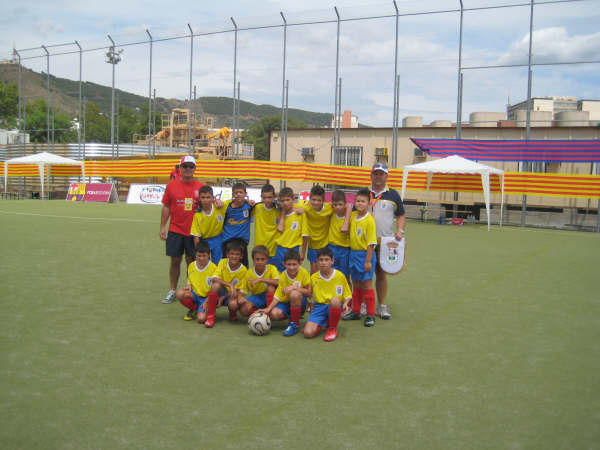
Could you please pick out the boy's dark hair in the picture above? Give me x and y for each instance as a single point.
(286, 192)
(325, 251)
(267, 188)
(317, 190)
(338, 196)
(234, 244)
(364, 192)
(260, 250)
(202, 247)
(238, 185)
(291, 254)
(206, 189)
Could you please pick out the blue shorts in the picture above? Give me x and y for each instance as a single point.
(320, 314)
(357, 265)
(285, 306)
(312, 254)
(280, 254)
(199, 301)
(341, 258)
(216, 252)
(258, 300)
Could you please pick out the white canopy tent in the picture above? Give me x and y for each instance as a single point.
(457, 164)
(42, 160)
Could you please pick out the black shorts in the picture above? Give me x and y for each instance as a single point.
(178, 243)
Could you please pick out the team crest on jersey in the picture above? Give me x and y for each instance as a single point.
(209, 281)
(219, 217)
(294, 226)
(339, 289)
(297, 283)
(234, 282)
(359, 231)
(246, 213)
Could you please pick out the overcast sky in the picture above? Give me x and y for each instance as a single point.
(428, 51)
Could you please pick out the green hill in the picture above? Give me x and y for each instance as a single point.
(65, 93)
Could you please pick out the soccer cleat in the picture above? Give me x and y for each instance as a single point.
(291, 330)
(383, 312)
(210, 321)
(170, 298)
(369, 321)
(330, 334)
(363, 309)
(190, 315)
(351, 316)
(233, 316)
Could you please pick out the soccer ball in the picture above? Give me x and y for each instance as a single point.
(259, 323)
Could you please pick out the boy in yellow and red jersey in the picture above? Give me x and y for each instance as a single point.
(329, 289)
(226, 284)
(293, 236)
(199, 283)
(208, 223)
(363, 239)
(339, 238)
(318, 215)
(292, 293)
(266, 217)
(259, 283)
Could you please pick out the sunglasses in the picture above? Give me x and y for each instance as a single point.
(187, 166)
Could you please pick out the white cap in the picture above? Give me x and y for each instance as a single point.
(187, 159)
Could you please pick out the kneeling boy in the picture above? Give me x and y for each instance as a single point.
(329, 288)
(199, 283)
(259, 283)
(292, 291)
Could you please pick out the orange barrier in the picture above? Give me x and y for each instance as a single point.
(542, 184)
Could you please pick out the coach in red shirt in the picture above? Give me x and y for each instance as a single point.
(179, 203)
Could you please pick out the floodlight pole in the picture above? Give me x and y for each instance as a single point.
(19, 105)
(111, 60)
(337, 67)
(190, 96)
(79, 101)
(526, 165)
(234, 137)
(150, 136)
(396, 105)
(283, 112)
(48, 97)
(460, 77)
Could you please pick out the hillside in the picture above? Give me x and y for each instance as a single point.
(66, 93)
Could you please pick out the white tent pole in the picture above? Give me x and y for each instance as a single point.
(502, 197)
(41, 170)
(83, 168)
(5, 176)
(429, 178)
(485, 181)
(404, 181)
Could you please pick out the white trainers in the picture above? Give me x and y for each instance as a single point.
(170, 298)
(383, 312)
(363, 309)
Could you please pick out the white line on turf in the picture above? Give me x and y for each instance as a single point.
(110, 219)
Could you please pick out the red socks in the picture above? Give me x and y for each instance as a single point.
(370, 301)
(295, 312)
(189, 303)
(269, 298)
(334, 316)
(357, 295)
(211, 308)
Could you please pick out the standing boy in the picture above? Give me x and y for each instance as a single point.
(292, 291)
(208, 223)
(291, 237)
(226, 284)
(363, 239)
(180, 200)
(259, 283)
(318, 214)
(339, 239)
(266, 217)
(237, 220)
(199, 283)
(329, 289)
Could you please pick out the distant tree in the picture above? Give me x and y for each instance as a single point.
(9, 99)
(97, 125)
(36, 124)
(258, 134)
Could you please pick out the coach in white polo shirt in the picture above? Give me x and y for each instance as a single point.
(388, 210)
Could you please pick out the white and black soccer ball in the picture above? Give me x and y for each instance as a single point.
(259, 323)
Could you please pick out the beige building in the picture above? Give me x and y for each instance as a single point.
(364, 146)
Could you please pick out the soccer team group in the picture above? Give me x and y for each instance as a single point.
(338, 238)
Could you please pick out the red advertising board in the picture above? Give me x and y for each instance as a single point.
(92, 192)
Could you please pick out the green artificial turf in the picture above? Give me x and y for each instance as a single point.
(494, 343)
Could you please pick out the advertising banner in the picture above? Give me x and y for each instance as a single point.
(92, 192)
(146, 194)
